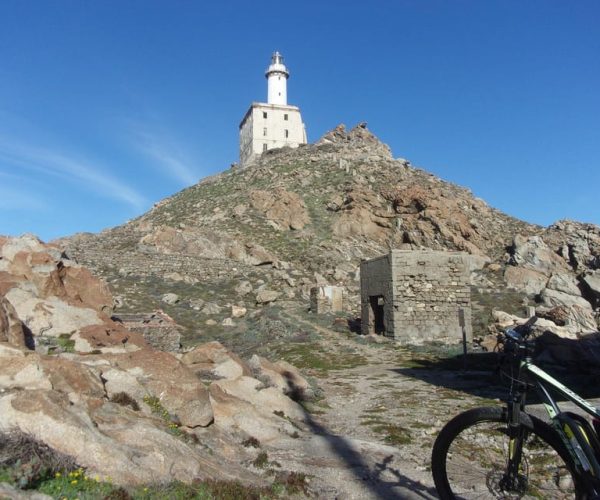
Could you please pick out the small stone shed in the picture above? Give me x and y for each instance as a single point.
(416, 296)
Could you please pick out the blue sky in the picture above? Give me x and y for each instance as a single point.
(107, 107)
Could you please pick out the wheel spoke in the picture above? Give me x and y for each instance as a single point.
(476, 456)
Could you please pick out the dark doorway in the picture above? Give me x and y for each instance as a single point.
(377, 303)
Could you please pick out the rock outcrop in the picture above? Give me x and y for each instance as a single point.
(307, 216)
(95, 391)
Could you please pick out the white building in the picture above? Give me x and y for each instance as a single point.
(273, 124)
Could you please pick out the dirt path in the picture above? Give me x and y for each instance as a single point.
(373, 437)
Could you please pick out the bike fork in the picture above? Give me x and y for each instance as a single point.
(512, 480)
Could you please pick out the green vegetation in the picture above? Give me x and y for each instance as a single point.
(394, 434)
(261, 461)
(158, 409)
(29, 464)
(77, 485)
(62, 343)
(312, 356)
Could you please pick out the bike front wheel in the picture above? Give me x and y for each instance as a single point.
(470, 457)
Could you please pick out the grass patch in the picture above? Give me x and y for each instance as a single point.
(62, 343)
(158, 409)
(261, 461)
(394, 434)
(311, 356)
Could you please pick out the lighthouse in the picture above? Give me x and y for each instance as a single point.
(277, 75)
(274, 124)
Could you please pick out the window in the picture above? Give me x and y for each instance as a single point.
(264, 114)
(285, 117)
(264, 146)
(265, 131)
(287, 133)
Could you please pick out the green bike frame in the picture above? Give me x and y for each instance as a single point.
(577, 435)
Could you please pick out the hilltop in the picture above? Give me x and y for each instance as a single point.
(307, 216)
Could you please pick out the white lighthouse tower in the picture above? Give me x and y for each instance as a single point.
(277, 75)
(273, 124)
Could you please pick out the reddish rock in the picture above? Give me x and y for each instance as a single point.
(107, 336)
(11, 328)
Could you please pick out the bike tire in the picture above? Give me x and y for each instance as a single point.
(471, 452)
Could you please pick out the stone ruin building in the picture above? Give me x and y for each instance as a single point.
(326, 299)
(158, 328)
(417, 296)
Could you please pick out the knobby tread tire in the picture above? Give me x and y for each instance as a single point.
(491, 414)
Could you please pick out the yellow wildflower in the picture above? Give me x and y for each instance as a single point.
(58, 474)
(74, 482)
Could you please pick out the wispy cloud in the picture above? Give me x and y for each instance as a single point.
(12, 198)
(91, 176)
(169, 156)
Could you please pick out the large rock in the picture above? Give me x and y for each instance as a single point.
(51, 295)
(105, 438)
(592, 283)
(565, 283)
(243, 405)
(52, 316)
(553, 298)
(286, 209)
(62, 403)
(533, 253)
(162, 375)
(53, 275)
(11, 328)
(578, 243)
(213, 360)
(527, 280)
(109, 337)
(282, 375)
(266, 296)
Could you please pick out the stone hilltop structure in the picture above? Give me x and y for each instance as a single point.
(273, 124)
(417, 296)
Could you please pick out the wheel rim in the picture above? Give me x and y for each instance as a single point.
(476, 463)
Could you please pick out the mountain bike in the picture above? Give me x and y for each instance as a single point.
(505, 452)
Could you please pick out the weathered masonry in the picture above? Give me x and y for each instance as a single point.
(273, 124)
(416, 296)
(326, 299)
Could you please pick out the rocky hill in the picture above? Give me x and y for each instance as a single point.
(88, 385)
(309, 215)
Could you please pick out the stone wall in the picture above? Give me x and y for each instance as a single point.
(326, 299)
(376, 285)
(428, 289)
(158, 329)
